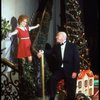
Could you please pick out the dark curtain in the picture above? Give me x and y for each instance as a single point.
(90, 10)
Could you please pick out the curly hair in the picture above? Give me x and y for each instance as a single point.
(21, 18)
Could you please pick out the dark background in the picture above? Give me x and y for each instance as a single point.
(91, 22)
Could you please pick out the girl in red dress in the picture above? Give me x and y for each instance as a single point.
(24, 44)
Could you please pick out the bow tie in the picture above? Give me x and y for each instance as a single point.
(62, 43)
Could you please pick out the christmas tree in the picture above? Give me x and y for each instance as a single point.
(75, 31)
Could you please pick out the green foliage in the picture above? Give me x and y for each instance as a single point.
(28, 81)
(5, 28)
(29, 73)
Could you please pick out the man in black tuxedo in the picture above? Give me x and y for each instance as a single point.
(65, 60)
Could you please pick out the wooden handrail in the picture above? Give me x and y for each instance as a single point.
(9, 63)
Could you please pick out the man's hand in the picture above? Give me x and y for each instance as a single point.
(74, 75)
(40, 53)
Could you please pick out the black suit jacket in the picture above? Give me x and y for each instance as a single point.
(71, 59)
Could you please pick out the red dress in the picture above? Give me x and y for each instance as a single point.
(24, 45)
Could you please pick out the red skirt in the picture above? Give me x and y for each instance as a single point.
(24, 48)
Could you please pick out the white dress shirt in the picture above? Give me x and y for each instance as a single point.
(62, 50)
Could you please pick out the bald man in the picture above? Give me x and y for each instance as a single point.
(66, 63)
